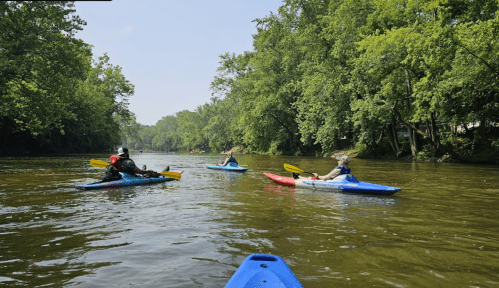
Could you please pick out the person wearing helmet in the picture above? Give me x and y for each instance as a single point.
(228, 160)
(123, 163)
(341, 169)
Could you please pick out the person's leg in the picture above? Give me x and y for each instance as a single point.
(111, 174)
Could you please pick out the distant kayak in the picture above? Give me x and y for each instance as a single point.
(229, 167)
(127, 180)
(261, 270)
(344, 183)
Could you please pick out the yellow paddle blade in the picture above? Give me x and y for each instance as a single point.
(99, 163)
(173, 175)
(293, 169)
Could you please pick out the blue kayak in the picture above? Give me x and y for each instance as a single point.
(344, 183)
(127, 180)
(262, 270)
(229, 167)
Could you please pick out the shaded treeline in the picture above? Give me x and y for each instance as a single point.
(323, 75)
(328, 74)
(53, 96)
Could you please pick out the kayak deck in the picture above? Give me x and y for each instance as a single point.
(127, 180)
(263, 270)
(344, 183)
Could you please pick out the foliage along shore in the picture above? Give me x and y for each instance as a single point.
(482, 157)
(485, 157)
(410, 79)
(54, 97)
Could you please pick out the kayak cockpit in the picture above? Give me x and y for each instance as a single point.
(343, 178)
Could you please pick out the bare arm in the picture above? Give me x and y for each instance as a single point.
(331, 175)
(225, 162)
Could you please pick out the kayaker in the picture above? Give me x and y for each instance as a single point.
(123, 163)
(341, 169)
(229, 159)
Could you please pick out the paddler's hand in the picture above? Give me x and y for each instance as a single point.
(316, 176)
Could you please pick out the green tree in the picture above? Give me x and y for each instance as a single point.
(41, 63)
(167, 136)
(268, 90)
(328, 32)
(100, 104)
(469, 88)
(190, 127)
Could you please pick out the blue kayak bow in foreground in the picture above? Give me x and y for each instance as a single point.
(262, 270)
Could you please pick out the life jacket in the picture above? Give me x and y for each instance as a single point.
(115, 161)
(231, 159)
(344, 170)
(123, 164)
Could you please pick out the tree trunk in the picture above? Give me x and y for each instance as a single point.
(391, 131)
(413, 138)
(433, 133)
(394, 131)
(390, 137)
(290, 133)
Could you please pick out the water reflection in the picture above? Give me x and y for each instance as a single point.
(118, 195)
(279, 196)
(227, 175)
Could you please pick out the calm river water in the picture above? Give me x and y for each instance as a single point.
(441, 230)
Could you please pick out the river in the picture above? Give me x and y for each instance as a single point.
(439, 231)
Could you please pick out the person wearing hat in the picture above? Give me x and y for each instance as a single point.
(123, 163)
(229, 159)
(341, 169)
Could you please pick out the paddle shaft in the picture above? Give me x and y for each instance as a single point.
(307, 172)
(293, 169)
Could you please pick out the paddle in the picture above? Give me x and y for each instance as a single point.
(104, 164)
(173, 175)
(99, 163)
(293, 169)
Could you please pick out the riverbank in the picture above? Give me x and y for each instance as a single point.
(384, 152)
(485, 156)
(482, 157)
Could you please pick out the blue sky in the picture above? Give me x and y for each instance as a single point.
(170, 49)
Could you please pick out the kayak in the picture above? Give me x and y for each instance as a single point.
(229, 167)
(343, 183)
(262, 270)
(127, 180)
